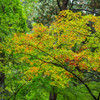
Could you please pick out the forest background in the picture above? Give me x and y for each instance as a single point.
(49, 50)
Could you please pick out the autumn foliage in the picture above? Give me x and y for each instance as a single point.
(70, 44)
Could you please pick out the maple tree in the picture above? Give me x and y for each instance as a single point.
(60, 52)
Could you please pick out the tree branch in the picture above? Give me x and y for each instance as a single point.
(15, 92)
(76, 10)
(43, 52)
(83, 84)
(98, 96)
(62, 66)
(59, 5)
(71, 5)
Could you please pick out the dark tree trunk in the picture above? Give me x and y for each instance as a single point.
(53, 95)
(65, 4)
(2, 85)
(2, 74)
(2, 78)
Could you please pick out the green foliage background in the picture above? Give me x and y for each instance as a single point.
(14, 17)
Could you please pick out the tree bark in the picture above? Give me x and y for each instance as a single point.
(65, 4)
(53, 95)
(2, 78)
(2, 85)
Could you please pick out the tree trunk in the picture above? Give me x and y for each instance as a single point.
(2, 78)
(53, 95)
(65, 4)
(2, 85)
